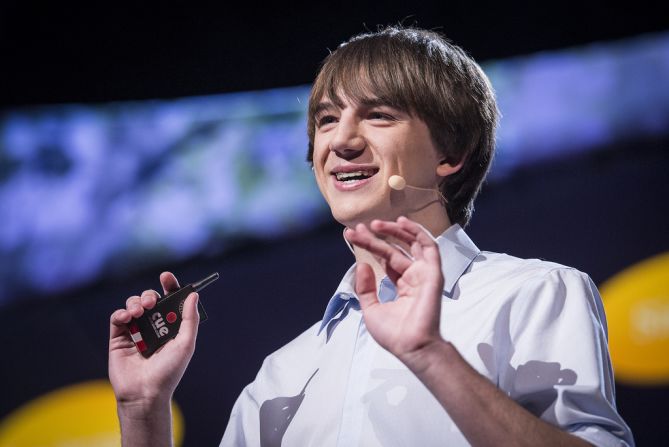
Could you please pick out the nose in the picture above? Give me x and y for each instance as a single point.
(347, 141)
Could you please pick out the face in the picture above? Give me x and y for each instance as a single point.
(358, 147)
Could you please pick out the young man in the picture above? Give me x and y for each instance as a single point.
(427, 340)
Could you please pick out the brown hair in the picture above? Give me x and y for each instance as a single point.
(422, 73)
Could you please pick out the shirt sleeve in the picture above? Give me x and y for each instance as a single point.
(243, 427)
(557, 365)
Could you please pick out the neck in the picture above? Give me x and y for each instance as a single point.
(434, 219)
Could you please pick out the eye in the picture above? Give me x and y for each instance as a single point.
(325, 120)
(378, 115)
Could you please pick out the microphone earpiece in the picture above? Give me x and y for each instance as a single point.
(397, 182)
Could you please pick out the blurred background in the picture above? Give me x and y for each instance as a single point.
(138, 138)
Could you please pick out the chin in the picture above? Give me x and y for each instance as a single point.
(351, 217)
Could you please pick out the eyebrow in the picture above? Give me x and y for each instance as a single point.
(375, 102)
(323, 106)
(364, 102)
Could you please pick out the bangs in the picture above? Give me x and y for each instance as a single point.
(365, 73)
(356, 83)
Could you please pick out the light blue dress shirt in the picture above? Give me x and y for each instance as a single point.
(536, 329)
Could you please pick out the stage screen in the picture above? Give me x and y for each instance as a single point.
(92, 190)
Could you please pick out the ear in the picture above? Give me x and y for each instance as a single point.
(445, 168)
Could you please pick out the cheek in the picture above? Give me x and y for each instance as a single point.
(321, 180)
(399, 158)
(320, 151)
(320, 176)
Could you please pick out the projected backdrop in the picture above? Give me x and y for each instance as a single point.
(87, 189)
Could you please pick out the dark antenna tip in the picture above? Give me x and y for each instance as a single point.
(201, 284)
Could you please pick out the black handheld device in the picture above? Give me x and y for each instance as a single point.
(161, 324)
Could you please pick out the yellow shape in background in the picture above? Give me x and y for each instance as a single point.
(80, 415)
(637, 309)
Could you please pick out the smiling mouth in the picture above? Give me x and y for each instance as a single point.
(355, 176)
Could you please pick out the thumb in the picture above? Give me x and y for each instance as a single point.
(364, 286)
(190, 319)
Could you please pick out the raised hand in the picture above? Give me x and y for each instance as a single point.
(139, 381)
(410, 323)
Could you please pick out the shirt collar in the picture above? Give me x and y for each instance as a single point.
(457, 253)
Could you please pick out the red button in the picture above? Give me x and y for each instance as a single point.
(171, 317)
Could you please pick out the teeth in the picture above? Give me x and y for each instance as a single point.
(343, 176)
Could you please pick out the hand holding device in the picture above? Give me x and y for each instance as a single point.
(161, 324)
(140, 382)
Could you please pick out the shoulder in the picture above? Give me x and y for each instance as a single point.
(529, 283)
(544, 291)
(296, 354)
(510, 272)
(488, 261)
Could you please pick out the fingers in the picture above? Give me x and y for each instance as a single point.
(392, 229)
(120, 317)
(418, 238)
(190, 320)
(404, 230)
(149, 298)
(134, 308)
(169, 282)
(364, 286)
(118, 321)
(395, 258)
(135, 305)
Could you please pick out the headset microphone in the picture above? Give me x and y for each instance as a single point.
(398, 183)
